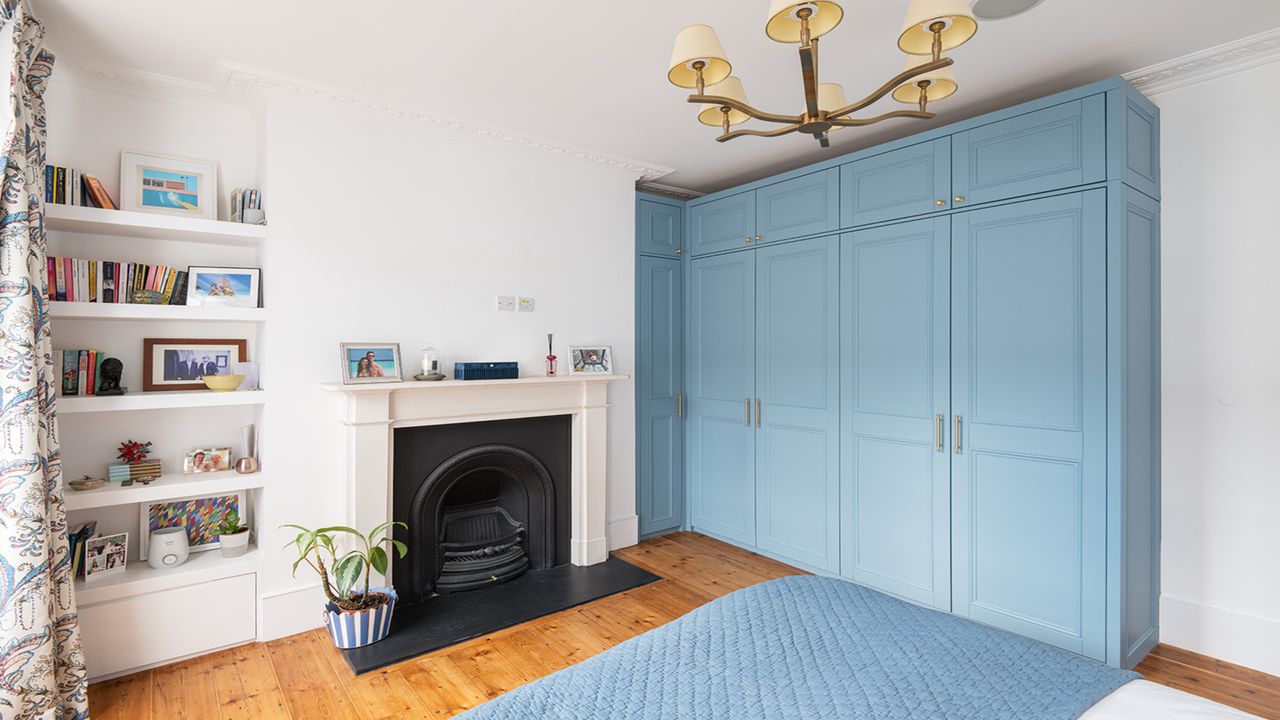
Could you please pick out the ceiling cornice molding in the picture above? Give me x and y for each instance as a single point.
(142, 84)
(240, 81)
(1208, 64)
(671, 191)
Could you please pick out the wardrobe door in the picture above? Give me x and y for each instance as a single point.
(659, 228)
(797, 417)
(728, 223)
(721, 467)
(914, 180)
(1029, 400)
(807, 205)
(659, 384)
(895, 316)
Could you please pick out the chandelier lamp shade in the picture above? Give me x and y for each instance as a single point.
(932, 27)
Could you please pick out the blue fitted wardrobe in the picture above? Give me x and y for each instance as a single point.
(930, 367)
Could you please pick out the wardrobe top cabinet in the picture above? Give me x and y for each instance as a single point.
(659, 226)
(1102, 132)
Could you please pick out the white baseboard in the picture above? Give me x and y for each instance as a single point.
(1224, 634)
(289, 612)
(623, 532)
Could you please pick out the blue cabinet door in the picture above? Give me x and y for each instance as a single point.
(807, 205)
(1057, 147)
(659, 228)
(797, 416)
(725, 224)
(721, 457)
(1029, 394)
(896, 466)
(913, 180)
(659, 403)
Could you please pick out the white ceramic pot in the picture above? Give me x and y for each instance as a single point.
(234, 545)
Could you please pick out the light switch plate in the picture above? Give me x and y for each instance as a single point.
(506, 303)
(525, 305)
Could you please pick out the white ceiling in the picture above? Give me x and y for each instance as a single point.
(593, 74)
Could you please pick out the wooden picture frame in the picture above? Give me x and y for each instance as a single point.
(151, 347)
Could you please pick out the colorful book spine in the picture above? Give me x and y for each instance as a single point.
(70, 371)
(91, 372)
(82, 380)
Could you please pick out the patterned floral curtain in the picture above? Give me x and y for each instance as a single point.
(42, 672)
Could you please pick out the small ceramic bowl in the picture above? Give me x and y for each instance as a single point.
(222, 383)
(87, 483)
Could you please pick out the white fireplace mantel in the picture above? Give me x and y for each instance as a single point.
(373, 411)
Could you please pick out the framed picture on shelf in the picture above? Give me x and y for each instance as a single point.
(105, 555)
(168, 185)
(225, 286)
(199, 515)
(370, 363)
(207, 460)
(179, 363)
(590, 360)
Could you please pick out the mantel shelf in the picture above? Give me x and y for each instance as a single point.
(414, 385)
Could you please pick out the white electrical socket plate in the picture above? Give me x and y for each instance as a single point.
(526, 304)
(506, 303)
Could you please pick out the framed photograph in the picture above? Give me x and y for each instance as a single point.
(179, 363)
(370, 363)
(226, 286)
(590, 360)
(105, 555)
(168, 185)
(199, 515)
(207, 460)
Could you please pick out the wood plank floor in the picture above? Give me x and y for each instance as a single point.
(303, 676)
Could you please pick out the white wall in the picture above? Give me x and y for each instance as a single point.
(382, 229)
(1220, 581)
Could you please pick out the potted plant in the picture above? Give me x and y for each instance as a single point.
(353, 617)
(233, 538)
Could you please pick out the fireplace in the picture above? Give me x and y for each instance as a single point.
(485, 502)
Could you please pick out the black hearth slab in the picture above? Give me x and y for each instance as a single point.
(448, 619)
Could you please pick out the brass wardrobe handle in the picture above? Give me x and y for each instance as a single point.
(956, 435)
(757, 412)
(937, 431)
(679, 405)
(746, 417)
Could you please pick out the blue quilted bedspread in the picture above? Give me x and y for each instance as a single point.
(812, 647)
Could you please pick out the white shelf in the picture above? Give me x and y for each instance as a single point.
(140, 578)
(129, 311)
(167, 400)
(97, 221)
(168, 486)
(386, 387)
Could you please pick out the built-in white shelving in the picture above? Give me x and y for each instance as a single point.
(167, 400)
(139, 577)
(170, 485)
(98, 221)
(130, 311)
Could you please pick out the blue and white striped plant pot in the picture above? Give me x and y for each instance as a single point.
(355, 629)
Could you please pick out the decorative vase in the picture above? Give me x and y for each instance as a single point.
(362, 627)
(235, 544)
(551, 365)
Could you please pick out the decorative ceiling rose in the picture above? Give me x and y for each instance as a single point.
(932, 26)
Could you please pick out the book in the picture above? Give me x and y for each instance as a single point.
(92, 373)
(82, 379)
(97, 194)
(70, 371)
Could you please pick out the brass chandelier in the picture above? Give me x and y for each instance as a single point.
(931, 28)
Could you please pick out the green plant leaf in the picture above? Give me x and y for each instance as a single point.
(347, 572)
(378, 559)
(400, 547)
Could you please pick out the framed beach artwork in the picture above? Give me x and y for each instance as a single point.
(370, 363)
(199, 515)
(225, 286)
(168, 185)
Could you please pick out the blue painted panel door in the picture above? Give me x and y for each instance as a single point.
(725, 224)
(659, 384)
(659, 229)
(910, 181)
(895, 317)
(807, 205)
(721, 458)
(1057, 147)
(797, 384)
(1029, 393)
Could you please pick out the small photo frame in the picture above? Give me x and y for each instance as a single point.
(201, 516)
(105, 555)
(224, 286)
(168, 185)
(207, 460)
(179, 363)
(590, 360)
(370, 363)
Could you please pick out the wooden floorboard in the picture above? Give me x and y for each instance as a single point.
(302, 677)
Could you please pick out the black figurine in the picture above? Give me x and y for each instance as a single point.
(110, 373)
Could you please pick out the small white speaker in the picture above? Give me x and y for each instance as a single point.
(168, 548)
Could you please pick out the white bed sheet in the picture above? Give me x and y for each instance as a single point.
(1145, 700)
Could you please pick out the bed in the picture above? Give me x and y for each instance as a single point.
(813, 647)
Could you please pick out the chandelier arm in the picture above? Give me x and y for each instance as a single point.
(759, 133)
(859, 122)
(888, 87)
(809, 73)
(745, 108)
